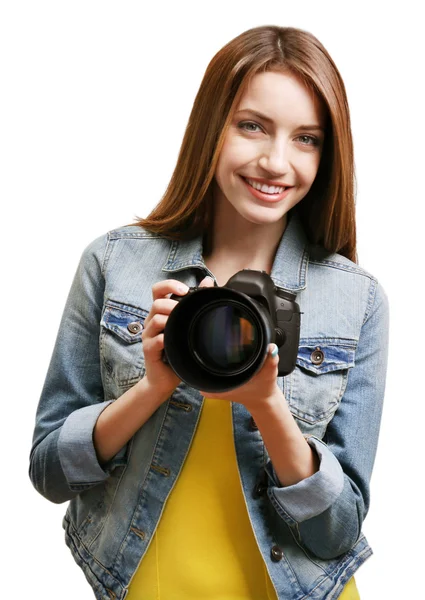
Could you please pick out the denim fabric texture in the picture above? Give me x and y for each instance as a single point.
(309, 534)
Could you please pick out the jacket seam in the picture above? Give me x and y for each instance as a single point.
(74, 536)
(304, 548)
(106, 254)
(303, 264)
(371, 299)
(350, 559)
(102, 268)
(342, 267)
(93, 539)
(117, 235)
(142, 487)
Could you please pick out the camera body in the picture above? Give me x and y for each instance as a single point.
(216, 338)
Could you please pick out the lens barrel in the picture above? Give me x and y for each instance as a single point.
(216, 338)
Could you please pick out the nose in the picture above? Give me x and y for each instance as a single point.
(275, 158)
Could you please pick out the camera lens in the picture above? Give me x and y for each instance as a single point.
(225, 337)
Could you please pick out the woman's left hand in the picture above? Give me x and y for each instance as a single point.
(260, 390)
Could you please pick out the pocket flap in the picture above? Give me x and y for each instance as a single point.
(323, 356)
(125, 321)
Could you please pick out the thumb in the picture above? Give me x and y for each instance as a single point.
(273, 350)
(207, 282)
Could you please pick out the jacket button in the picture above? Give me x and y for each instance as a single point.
(135, 327)
(259, 490)
(276, 554)
(252, 424)
(317, 356)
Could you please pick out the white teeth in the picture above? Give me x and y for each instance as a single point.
(268, 189)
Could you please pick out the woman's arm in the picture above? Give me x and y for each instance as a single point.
(63, 458)
(328, 508)
(118, 423)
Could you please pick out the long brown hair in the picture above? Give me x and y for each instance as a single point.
(327, 212)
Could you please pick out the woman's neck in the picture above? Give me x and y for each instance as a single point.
(240, 244)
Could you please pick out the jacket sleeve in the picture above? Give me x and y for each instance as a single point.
(63, 460)
(327, 510)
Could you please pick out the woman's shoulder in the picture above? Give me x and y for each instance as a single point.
(343, 273)
(100, 242)
(321, 257)
(120, 246)
(130, 231)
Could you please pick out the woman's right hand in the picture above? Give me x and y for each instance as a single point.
(157, 373)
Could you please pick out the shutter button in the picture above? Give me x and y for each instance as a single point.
(276, 554)
(317, 356)
(135, 327)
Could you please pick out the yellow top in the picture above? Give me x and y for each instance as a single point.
(204, 545)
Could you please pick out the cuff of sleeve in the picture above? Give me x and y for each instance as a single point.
(77, 453)
(311, 496)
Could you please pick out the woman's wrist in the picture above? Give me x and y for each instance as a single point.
(124, 417)
(154, 390)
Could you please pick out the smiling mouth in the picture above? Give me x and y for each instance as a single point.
(250, 183)
(266, 196)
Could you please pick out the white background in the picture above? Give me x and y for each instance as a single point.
(94, 102)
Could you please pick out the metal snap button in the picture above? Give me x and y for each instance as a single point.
(276, 554)
(259, 490)
(135, 327)
(252, 424)
(260, 487)
(317, 356)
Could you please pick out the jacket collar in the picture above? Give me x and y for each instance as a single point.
(289, 269)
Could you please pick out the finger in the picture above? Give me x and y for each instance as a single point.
(207, 282)
(154, 346)
(154, 325)
(168, 286)
(160, 305)
(273, 351)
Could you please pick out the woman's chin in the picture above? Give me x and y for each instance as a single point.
(263, 216)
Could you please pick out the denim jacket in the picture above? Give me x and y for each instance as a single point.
(310, 533)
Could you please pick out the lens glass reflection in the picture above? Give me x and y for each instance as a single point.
(225, 337)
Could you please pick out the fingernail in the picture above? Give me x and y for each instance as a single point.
(275, 350)
(183, 289)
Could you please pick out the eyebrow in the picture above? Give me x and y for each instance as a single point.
(265, 118)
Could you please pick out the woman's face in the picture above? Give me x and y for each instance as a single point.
(279, 149)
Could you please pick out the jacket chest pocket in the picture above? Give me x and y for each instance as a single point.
(121, 345)
(315, 388)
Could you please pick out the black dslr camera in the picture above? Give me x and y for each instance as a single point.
(216, 338)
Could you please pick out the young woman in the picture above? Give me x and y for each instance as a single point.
(261, 491)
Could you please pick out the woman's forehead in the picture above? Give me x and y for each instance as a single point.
(277, 95)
